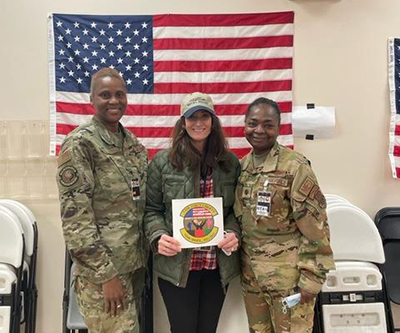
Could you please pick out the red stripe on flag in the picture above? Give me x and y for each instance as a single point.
(165, 132)
(180, 20)
(75, 108)
(222, 43)
(163, 109)
(153, 110)
(397, 172)
(396, 151)
(65, 128)
(222, 65)
(397, 130)
(240, 152)
(222, 87)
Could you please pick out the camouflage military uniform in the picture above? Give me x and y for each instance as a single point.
(101, 178)
(289, 248)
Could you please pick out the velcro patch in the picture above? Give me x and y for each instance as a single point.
(306, 186)
(278, 181)
(64, 157)
(314, 191)
(68, 176)
(320, 199)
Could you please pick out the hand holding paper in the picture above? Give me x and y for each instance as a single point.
(168, 246)
(229, 244)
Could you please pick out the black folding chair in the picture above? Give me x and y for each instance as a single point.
(387, 221)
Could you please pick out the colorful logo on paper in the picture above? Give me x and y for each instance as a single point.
(198, 223)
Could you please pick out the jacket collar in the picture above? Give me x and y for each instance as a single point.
(270, 163)
(105, 134)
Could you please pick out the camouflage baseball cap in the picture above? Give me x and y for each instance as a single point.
(195, 102)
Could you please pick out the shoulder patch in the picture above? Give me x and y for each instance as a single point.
(64, 157)
(306, 186)
(320, 199)
(314, 191)
(68, 175)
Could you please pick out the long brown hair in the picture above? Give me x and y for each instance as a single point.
(184, 154)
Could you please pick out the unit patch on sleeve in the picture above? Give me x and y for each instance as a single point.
(68, 175)
(306, 186)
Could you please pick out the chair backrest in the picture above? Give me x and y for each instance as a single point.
(11, 238)
(27, 222)
(388, 222)
(354, 235)
(334, 198)
(7, 278)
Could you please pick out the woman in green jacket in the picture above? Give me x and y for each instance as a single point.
(193, 282)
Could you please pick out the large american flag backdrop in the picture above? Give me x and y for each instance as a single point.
(235, 58)
(394, 88)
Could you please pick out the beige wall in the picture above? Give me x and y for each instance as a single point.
(340, 60)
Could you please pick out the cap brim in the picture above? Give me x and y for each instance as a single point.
(190, 112)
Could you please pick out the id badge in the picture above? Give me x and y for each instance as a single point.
(135, 187)
(263, 203)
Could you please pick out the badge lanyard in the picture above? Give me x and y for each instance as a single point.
(264, 201)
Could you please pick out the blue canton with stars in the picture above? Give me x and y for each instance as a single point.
(86, 43)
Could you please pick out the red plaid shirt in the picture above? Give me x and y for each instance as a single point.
(204, 259)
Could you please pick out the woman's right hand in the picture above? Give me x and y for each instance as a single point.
(168, 246)
(114, 296)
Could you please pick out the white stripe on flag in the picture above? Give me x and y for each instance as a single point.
(216, 55)
(176, 99)
(151, 121)
(224, 32)
(245, 76)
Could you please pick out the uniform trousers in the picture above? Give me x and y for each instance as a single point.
(91, 305)
(265, 311)
(197, 307)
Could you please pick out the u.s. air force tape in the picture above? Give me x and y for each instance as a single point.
(68, 175)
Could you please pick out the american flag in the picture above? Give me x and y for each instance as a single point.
(394, 88)
(235, 58)
(199, 212)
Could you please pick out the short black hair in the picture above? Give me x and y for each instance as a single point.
(265, 101)
(103, 72)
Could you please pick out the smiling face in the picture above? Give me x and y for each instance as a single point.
(198, 127)
(109, 101)
(261, 128)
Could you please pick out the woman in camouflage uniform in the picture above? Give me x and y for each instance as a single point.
(101, 178)
(285, 246)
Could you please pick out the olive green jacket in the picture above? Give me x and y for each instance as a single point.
(166, 183)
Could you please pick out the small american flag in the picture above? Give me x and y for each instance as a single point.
(235, 58)
(199, 212)
(394, 87)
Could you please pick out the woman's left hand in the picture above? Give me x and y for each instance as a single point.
(306, 296)
(230, 242)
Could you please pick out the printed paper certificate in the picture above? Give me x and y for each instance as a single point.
(198, 222)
